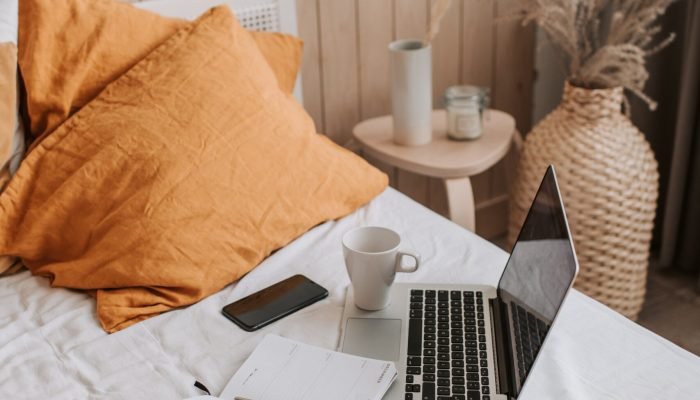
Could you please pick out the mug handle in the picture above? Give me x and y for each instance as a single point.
(399, 258)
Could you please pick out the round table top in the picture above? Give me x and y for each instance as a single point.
(441, 158)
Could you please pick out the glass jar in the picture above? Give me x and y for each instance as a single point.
(465, 106)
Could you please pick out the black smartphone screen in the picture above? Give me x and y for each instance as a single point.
(274, 302)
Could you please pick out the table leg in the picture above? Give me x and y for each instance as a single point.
(460, 202)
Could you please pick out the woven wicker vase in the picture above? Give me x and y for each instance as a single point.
(608, 177)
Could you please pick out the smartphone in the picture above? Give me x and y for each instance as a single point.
(272, 303)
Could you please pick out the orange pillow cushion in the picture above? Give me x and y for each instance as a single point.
(69, 50)
(179, 178)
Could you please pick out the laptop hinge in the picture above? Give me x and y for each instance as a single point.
(501, 346)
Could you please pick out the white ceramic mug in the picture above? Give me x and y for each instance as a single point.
(372, 258)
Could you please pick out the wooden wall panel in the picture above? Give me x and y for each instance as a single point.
(307, 15)
(447, 53)
(339, 63)
(374, 39)
(410, 19)
(346, 77)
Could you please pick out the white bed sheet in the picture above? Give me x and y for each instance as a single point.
(51, 345)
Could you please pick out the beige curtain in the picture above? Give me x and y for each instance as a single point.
(680, 239)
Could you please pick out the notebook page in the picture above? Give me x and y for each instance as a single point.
(283, 369)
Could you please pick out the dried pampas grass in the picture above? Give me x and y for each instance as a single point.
(606, 42)
(437, 11)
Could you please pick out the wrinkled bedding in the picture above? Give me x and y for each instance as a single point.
(52, 346)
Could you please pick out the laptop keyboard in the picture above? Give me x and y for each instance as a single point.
(447, 357)
(529, 335)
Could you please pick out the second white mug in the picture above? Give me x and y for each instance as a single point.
(372, 258)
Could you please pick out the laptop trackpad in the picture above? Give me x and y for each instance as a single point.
(373, 338)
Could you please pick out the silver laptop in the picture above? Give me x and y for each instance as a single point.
(460, 341)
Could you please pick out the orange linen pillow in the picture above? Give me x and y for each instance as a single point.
(70, 50)
(179, 178)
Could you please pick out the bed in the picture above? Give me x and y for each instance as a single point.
(52, 346)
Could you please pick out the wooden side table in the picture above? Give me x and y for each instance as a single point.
(452, 161)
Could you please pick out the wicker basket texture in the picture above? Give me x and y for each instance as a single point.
(608, 177)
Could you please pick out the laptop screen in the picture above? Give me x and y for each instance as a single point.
(536, 278)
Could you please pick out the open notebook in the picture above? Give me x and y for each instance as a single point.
(283, 369)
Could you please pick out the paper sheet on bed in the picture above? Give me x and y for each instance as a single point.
(283, 369)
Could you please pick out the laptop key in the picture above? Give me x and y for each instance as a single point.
(443, 373)
(470, 352)
(417, 299)
(483, 363)
(416, 292)
(409, 378)
(416, 314)
(428, 360)
(408, 396)
(413, 370)
(429, 293)
(428, 391)
(473, 395)
(472, 376)
(485, 390)
(455, 294)
(429, 378)
(443, 382)
(430, 322)
(482, 346)
(429, 369)
(485, 381)
(416, 306)
(458, 389)
(415, 336)
(442, 295)
(471, 368)
(484, 372)
(473, 385)
(443, 365)
(445, 341)
(479, 294)
(413, 361)
(429, 329)
(443, 391)
(429, 336)
(458, 380)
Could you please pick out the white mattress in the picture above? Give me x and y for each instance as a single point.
(51, 345)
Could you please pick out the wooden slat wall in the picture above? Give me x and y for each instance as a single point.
(346, 77)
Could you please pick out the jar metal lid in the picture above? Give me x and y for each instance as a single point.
(467, 93)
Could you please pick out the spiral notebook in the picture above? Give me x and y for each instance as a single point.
(283, 369)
